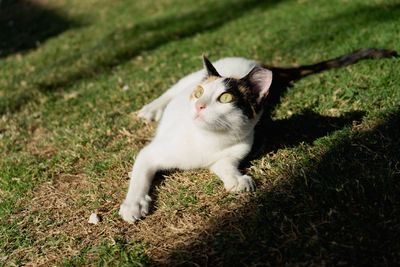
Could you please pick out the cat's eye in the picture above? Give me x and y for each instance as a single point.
(226, 98)
(198, 92)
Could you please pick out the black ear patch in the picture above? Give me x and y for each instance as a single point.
(211, 71)
(259, 80)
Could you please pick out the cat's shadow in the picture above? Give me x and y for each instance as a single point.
(304, 127)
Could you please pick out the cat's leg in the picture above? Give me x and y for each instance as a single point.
(137, 201)
(234, 181)
(154, 110)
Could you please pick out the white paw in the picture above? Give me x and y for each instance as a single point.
(135, 210)
(152, 111)
(244, 183)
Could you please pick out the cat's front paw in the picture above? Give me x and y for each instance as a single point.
(152, 111)
(135, 210)
(244, 183)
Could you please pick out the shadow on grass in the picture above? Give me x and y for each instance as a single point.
(25, 24)
(339, 208)
(125, 44)
(305, 127)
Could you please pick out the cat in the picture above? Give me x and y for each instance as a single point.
(207, 120)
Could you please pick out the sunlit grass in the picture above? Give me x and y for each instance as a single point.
(68, 136)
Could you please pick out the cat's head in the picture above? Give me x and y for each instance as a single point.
(226, 103)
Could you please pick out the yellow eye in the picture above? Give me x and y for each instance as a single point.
(226, 98)
(198, 92)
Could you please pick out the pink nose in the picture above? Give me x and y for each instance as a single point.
(200, 106)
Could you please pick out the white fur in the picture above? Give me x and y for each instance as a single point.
(218, 138)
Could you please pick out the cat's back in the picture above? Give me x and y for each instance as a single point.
(235, 67)
(230, 67)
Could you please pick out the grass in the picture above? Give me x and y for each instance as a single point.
(327, 168)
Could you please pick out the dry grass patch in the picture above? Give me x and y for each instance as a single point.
(55, 219)
(185, 204)
(39, 143)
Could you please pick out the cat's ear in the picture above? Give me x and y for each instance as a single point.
(211, 71)
(259, 79)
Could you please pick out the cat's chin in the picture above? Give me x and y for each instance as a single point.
(200, 122)
(198, 118)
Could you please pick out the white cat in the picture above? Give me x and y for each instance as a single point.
(207, 120)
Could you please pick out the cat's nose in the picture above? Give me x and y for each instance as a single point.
(200, 106)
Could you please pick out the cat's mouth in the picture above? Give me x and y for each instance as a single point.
(199, 118)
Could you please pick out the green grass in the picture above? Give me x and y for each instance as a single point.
(119, 253)
(327, 170)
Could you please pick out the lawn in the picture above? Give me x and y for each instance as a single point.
(73, 73)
